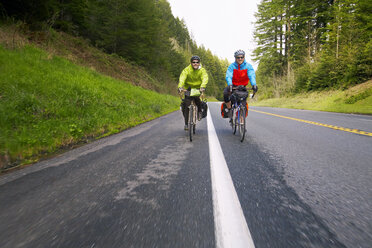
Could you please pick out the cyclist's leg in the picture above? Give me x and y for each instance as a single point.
(226, 97)
(187, 101)
(234, 102)
(198, 105)
(183, 107)
(198, 102)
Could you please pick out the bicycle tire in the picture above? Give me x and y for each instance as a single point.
(236, 121)
(195, 118)
(232, 124)
(233, 121)
(242, 123)
(191, 125)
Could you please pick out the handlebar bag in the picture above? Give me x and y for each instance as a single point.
(239, 96)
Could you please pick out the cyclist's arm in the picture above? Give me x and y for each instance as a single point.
(229, 75)
(182, 79)
(251, 75)
(204, 78)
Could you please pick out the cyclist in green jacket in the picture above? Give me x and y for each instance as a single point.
(194, 77)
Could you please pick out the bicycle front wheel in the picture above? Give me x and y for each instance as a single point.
(242, 123)
(191, 122)
(195, 117)
(234, 121)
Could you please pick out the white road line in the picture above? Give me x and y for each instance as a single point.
(231, 229)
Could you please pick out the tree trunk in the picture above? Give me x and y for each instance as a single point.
(288, 42)
(338, 30)
(309, 41)
(281, 38)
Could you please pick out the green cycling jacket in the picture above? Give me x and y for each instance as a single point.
(193, 78)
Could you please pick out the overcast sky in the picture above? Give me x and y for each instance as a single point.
(223, 26)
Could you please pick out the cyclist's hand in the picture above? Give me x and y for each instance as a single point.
(254, 88)
(202, 90)
(180, 90)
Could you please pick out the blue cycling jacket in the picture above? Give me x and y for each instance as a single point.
(240, 74)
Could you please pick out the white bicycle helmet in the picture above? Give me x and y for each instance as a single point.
(239, 52)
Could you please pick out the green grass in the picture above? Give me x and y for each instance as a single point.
(48, 103)
(357, 99)
(211, 99)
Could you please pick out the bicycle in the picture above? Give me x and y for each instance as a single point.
(193, 113)
(239, 110)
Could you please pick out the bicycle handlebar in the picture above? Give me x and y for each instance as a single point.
(185, 90)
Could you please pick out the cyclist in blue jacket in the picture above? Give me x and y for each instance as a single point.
(238, 73)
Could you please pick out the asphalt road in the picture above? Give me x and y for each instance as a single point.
(298, 184)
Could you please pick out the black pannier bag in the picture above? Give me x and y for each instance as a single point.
(224, 110)
(240, 94)
(204, 108)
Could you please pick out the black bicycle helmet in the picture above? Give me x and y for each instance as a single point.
(195, 57)
(239, 52)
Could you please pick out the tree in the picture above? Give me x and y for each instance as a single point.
(325, 43)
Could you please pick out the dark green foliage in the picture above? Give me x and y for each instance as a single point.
(72, 16)
(30, 11)
(33, 12)
(127, 28)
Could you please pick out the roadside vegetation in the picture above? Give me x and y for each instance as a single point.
(310, 46)
(357, 100)
(48, 103)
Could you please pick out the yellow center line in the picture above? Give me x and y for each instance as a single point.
(318, 124)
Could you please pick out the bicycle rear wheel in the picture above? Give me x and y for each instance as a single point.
(242, 123)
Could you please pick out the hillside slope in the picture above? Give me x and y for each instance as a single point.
(79, 51)
(49, 103)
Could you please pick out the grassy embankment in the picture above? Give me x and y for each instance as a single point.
(48, 103)
(80, 52)
(357, 100)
